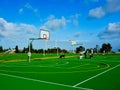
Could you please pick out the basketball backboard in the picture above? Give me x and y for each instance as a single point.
(45, 34)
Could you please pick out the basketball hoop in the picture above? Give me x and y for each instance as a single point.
(44, 34)
(46, 38)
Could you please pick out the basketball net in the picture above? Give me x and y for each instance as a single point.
(46, 38)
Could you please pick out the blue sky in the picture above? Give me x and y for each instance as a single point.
(90, 22)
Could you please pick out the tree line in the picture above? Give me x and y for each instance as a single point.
(32, 50)
(105, 47)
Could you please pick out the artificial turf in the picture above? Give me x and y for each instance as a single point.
(51, 72)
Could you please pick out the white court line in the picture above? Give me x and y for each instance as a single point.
(96, 75)
(52, 83)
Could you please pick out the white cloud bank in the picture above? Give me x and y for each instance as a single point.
(9, 29)
(54, 23)
(97, 12)
(112, 31)
(110, 6)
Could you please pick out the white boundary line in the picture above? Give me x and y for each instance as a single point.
(95, 76)
(52, 83)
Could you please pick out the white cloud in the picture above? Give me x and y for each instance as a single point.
(27, 5)
(110, 6)
(112, 31)
(51, 17)
(97, 12)
(76, 16)
(77, 34)
(21, 10)
(114, 27)
(54, 23)
(74, 19)
(75, 22)
(30, 7)
(8, 29)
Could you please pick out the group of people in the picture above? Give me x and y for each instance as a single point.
(85, 54)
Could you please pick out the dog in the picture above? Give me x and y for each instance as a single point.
(62, 56)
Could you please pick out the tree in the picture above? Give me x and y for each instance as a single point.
(106, 47)
(118, 50)
(40, 50)
(25, 50)
(1, 49)
(109, 47)
(80, 49)
(16, 49)
(64, 50)
(31, 47)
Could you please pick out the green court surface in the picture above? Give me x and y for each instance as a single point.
(50, 72)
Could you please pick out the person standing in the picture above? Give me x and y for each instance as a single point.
(81, 55)
(91, 53)
(85, 54)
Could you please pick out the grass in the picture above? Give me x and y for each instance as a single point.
(50, 72)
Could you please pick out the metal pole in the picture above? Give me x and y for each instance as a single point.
(56, 46)
(30, 42)
(29, 53)
(44, 49)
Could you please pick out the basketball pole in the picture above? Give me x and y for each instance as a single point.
(56, 45)
(29, 52)
(44, 34)
(44, 53)
(30, 42)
